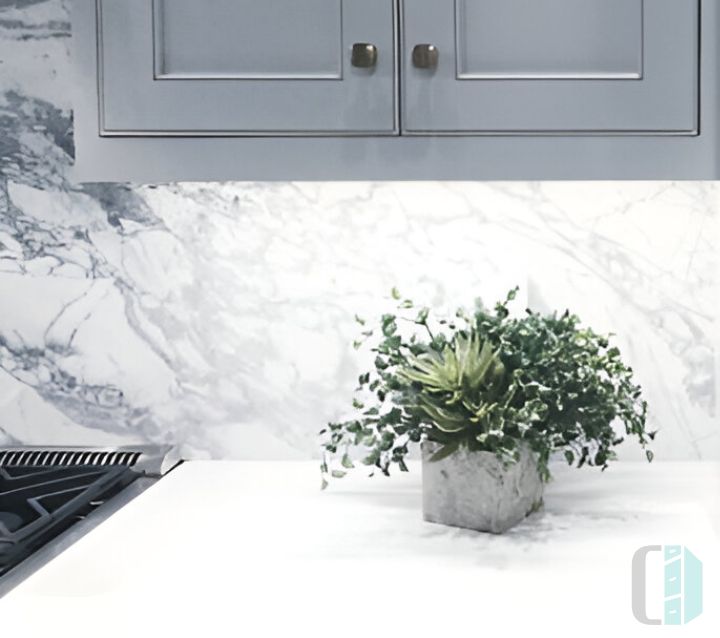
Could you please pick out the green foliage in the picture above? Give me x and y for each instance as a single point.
(488, 381)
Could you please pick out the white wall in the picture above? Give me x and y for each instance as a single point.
(219, 316)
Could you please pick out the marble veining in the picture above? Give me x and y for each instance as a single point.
(218, 317)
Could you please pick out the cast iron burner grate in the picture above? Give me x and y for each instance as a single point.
(38, 502)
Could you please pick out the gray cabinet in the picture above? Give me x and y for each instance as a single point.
(396, 89)
(255, 67)
(549, 66)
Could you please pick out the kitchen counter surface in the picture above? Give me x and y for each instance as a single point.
(256, 549)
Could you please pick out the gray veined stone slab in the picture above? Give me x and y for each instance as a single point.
(476, 491)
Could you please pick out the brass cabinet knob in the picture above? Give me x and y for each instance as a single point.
(364, 55)
(425, 56)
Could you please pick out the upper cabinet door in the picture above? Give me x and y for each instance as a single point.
(246, 67)
(551, 66)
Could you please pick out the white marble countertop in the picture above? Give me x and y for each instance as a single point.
(255, 548)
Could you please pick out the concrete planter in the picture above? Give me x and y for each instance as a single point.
(474, 490)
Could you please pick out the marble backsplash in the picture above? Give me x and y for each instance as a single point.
(219, 317)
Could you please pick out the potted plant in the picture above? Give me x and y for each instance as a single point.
(489, 397)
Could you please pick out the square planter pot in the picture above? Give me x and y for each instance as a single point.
(475, 491)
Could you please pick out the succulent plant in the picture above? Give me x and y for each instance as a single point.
(462, 391)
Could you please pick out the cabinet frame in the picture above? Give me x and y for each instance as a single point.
(154, 159)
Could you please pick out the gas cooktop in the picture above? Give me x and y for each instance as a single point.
(44, 492)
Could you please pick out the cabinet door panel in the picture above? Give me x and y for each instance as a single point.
(553, 66)
(221, 39)
(245, 67)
